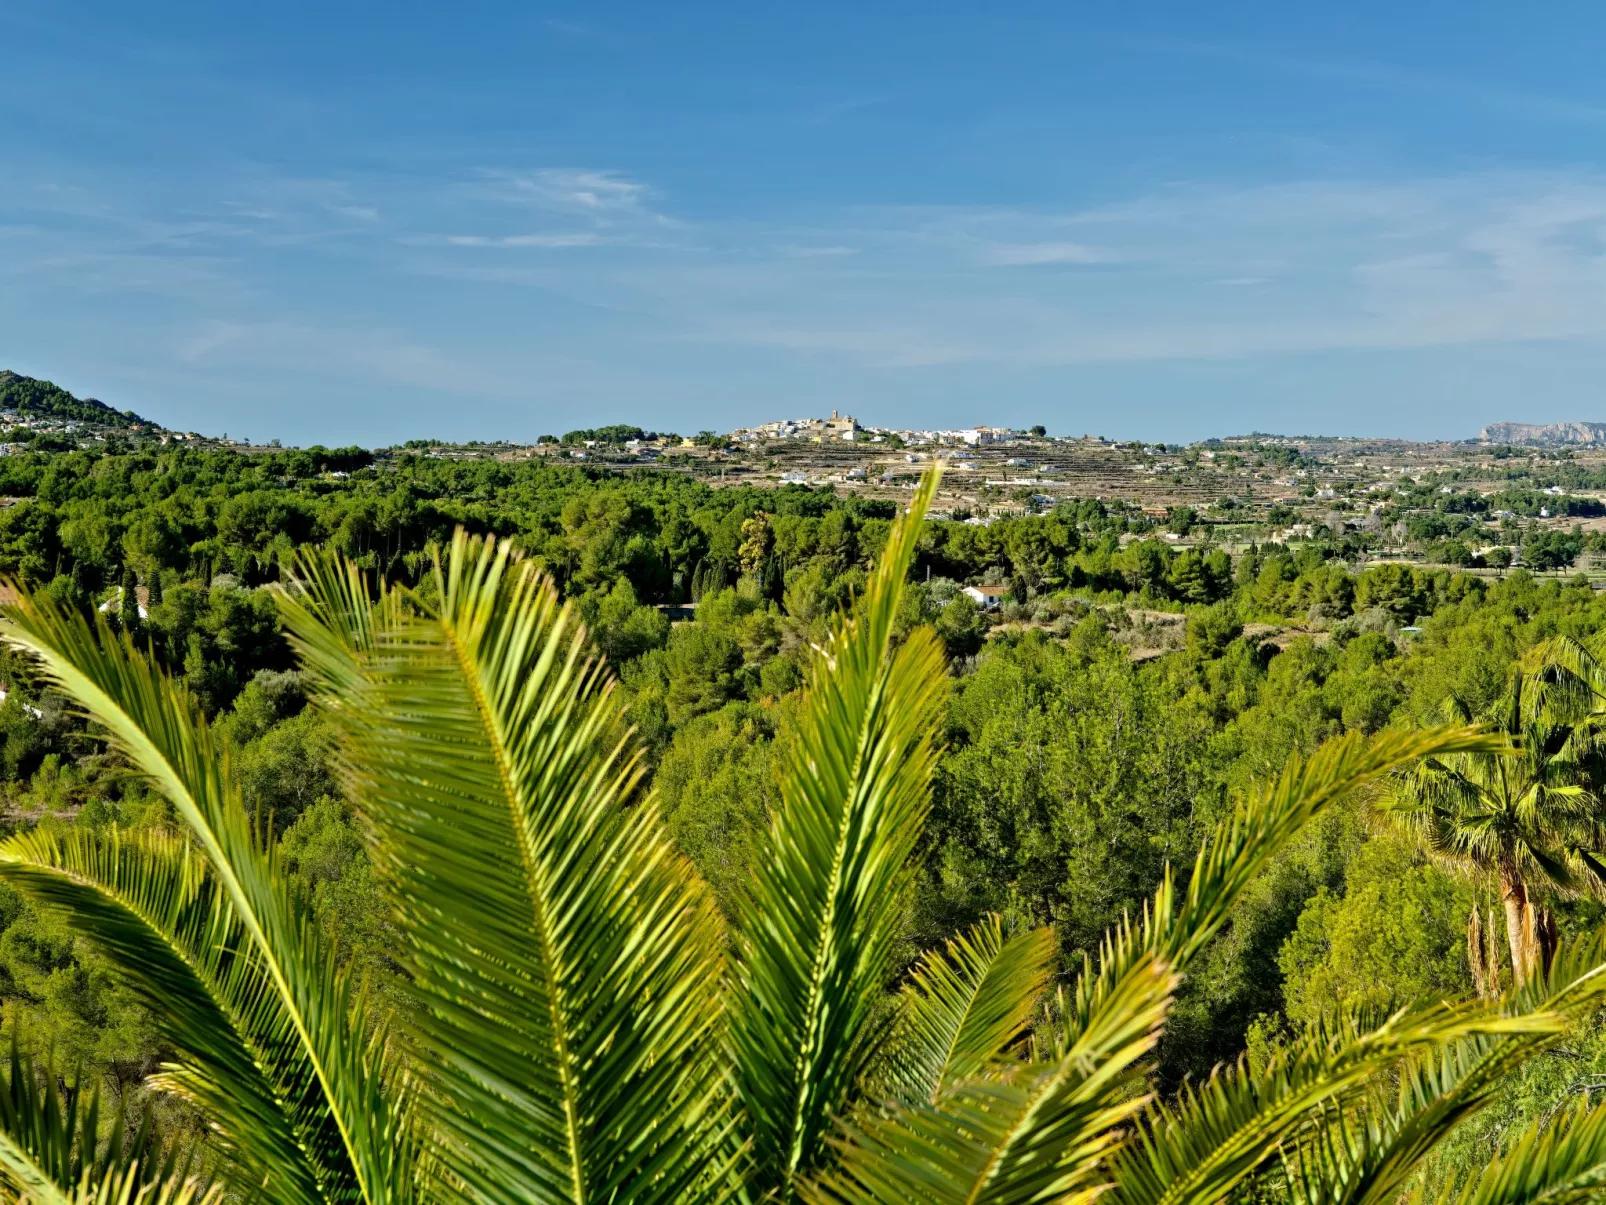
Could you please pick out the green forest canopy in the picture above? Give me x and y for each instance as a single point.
(1072, 771)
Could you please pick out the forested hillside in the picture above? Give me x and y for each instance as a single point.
(1102, 720)
(31, 398)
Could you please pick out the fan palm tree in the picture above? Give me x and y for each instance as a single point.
(1529, 816)
(581, 1027)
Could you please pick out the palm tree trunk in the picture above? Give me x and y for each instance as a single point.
(1477, 960)
(1520, 934)
(1543, 926)
(1483, 959)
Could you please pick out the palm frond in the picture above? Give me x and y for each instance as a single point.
(1242, 845)
(1531, 812)
(148, 902)
(50, 1143)
(153, 721)
(1366, 1155)
(817, 934)
(1571, 674)
(1554, 1160)
(1201, 1147)
(564, 958)
(1033, 1132)
(964, 1006)
(128, 1189)
(1037, 1133)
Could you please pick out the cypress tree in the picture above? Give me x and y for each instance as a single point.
(774, 581)
(128, 603)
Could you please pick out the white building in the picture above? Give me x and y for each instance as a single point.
(987, 597)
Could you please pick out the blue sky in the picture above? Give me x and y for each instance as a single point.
(367, 223)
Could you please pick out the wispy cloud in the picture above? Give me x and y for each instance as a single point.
(1334, 264)
(603, 281)
(1028, 254)
(814, 251)
(570, 190)
(582, 238)
(610, 207)
(834, 111)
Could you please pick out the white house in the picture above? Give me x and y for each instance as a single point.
(987, 597)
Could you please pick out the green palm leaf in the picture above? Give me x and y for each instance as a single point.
(564, 957)
(1243, 844)
(1041, 1121)
(1556, 1161)
(817, 933)
(147, 901)
(128, 1189)
(50, 1144)
(1026, 1135)
(965, 1005)
(154, 722)
(1201, 1147)
(1367, 1154)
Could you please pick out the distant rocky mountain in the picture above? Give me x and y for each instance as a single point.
(1544, 433)
(45, 399)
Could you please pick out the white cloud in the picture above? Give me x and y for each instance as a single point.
(811, 252)
(573, 239)
(1026, 254)
(1335, 264)
(607, 206)
(567, 189)
(1188, 272)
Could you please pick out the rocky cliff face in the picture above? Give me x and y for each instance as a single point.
(1544, 433)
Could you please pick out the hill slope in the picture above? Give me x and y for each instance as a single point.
(44, 399)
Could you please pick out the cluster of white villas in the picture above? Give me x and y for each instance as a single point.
(846, 427)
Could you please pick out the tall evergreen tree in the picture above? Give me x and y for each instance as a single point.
(128, 600)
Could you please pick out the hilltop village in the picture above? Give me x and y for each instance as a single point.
(1473, 504)
(1519, 494)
